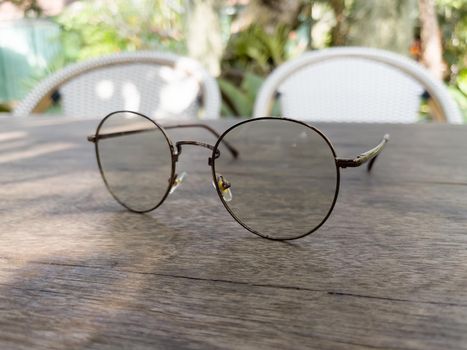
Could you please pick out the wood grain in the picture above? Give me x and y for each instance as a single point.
(388, 270)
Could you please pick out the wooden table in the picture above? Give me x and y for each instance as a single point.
(387, 271)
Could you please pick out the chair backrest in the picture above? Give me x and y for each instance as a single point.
(354, 84)
(153, 83)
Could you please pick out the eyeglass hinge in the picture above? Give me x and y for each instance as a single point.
(217, 154)
(92, 138)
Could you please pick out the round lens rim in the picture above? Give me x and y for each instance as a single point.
(219, 193)
(172, 156)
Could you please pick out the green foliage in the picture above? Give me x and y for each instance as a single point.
(462, 81)
(459, 92)
(452, 15)
(461, 100)
(239, 100)
(93, 28)
(257, 50)
(249, 57)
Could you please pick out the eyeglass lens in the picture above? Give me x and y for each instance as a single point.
(137, 167)
(284, 182)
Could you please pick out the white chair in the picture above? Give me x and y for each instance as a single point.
(354, 84)
(157, 84)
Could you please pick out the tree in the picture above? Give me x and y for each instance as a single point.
(432, 50)
(269, 14)
(204, 35)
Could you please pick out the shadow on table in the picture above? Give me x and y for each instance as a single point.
(142, 280)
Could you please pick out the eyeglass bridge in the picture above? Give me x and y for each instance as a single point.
(179, 145)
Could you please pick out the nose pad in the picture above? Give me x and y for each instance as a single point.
(177, 182)
(224, 187)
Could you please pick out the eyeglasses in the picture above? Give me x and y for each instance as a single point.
(277, 177)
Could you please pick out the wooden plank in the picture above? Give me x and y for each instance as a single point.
(386, 271)
(75, 306)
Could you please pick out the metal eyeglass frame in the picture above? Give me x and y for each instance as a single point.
(176, 149)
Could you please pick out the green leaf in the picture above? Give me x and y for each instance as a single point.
(462, 81)
(461, 100)
(237, 99)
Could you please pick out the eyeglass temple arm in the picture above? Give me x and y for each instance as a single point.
(94, 138)
(370, 155)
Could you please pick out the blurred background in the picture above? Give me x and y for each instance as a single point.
(238, 41)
